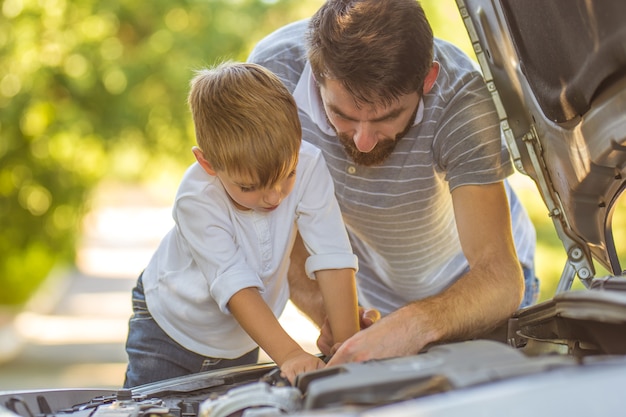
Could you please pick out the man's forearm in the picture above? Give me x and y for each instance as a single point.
(473, 306)
(493, 288)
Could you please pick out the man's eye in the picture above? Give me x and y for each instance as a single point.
(341, 117)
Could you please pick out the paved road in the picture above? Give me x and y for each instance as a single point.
(72, 335)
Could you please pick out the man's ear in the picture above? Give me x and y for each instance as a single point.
(197, 152)
(431, 77)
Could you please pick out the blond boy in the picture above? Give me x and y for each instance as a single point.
(211, 293)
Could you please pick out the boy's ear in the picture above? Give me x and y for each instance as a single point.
(197, 152)
(431, 77)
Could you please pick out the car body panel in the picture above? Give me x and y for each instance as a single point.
(566, 126)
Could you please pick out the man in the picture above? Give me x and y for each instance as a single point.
(412, 140)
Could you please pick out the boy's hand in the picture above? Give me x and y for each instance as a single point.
(325, 341)
(299, 362)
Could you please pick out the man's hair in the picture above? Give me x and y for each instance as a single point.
(246, 121)
(377, 49)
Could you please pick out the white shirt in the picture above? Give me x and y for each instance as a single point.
(215, 250)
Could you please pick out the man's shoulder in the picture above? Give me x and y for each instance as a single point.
(454, 61)
(449, 52)
(293, 32)
(458, 73)
(283, 52)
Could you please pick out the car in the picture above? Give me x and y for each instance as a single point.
(557, 73)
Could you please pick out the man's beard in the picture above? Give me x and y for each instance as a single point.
(381, 151)
(376, 156)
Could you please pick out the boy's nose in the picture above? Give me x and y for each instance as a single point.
(272, 197)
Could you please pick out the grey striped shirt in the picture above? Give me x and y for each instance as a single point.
(399, 214)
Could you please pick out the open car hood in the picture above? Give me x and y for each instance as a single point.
(557, 73)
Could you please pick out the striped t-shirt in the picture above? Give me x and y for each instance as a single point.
(399, 214)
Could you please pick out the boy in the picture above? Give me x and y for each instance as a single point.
(212, 291)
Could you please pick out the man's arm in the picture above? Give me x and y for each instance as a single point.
(476, 303)
(483, 221)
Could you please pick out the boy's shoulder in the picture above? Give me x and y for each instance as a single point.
(310, 162)
(307, 148)
(309, 153)
(196, 181)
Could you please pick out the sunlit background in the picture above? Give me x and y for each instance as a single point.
(94, 136)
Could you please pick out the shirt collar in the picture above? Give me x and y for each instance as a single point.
(307, 97)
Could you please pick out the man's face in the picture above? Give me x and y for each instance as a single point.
(369, 133)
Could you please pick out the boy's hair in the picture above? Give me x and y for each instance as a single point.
(377, 49)
(246, 121)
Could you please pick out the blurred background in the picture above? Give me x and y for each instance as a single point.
(95, 134)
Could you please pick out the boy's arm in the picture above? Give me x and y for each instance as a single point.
(338, 288)
(304, 292)
(258, 320)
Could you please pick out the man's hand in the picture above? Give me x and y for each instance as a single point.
(325, 341)
(299, 362)
(478, 301)
(389, 337)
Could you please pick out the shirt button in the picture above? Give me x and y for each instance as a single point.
(351, 169)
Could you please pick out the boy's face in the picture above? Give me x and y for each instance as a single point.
(247, 195)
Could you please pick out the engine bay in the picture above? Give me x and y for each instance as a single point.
(441, 374)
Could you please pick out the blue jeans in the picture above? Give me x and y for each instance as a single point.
(154, 356)
(531, 293)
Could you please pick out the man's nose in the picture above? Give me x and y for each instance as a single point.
(364, 137)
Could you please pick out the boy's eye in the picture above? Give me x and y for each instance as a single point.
(246, 189)
(292, 173)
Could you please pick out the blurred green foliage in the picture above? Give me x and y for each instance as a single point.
(92, 89)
